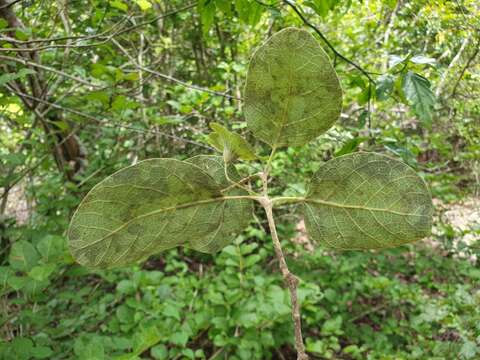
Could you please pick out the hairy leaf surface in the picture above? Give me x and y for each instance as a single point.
(367, 201)
(237, 213)
(292, 94)
(149, 207)
(231, 144)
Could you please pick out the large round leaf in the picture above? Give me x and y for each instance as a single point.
(367, 201)
(292, 94)
(143, 209)
(237, 214)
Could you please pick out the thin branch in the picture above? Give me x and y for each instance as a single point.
(48, 68)
(170, 78)
(467, 65)
(101, 123)
(7, 5)
(290, 279)
(33, 167)
(452, 64)
(102, 35)
(327, 42)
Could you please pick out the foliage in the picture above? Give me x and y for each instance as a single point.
(141, 79)
(158, 204)
(382, 203)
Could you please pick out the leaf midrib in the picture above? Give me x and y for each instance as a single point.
(358, 207)
(159, 211)
(244, 197)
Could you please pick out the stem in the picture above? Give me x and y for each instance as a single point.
(233, 182)
(327, 42)
(290, 279)
(281, 200)
(269, 162)
(244, 180)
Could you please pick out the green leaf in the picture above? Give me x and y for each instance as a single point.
(322, 7)
(292, 93)
(332, 326)
(23, 256)
(22, 348)
(126, 287)
(367, 201)
(159, 352)
(206, 9)
(18, 282)
(351, 145)
(5, 78)
(469, 350)
(153, 206)
(419, 94)
(51, 247)
(5, 273)
(21, 35)
(394, 60)
(42, 352)
(230, 144)
(237, 214)
(384, 87)
(225, 6)
(179, 338)
(249, 11)
(144, 4)
(118, 4)
(35, 287)
(420, 59)
(42, 272)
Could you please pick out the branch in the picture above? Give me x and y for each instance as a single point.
(290, 279)
(170, 78)
(101, 123)
(103, 34)
(48, 68)
(327, 42)
(452, 64)
(467, 65)
(33, 167)
(7, 5)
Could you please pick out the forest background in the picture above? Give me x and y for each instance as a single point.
(88, 87)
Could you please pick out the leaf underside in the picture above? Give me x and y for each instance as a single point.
(292, 93)
(155, 205)
(230, 143)
(367, 201)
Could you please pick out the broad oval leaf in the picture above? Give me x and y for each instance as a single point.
(237, 214)
(149, 207)
(367, 201)
(292, 94)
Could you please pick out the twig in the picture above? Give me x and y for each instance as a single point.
(170, 78)
(48, 68)
(216, 353)
(467, 65)
(9, 4)
(101, 123)
(102, 35)
(452, 64)
(290, 280)
(327, 42)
